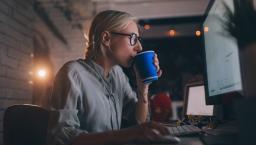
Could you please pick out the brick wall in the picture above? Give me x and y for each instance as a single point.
(19, 26)
(58, 52)
(15, 48)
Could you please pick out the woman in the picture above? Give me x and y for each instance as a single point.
(92, 97)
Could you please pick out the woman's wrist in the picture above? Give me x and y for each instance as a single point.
(143, 101)
(143, 97)
(142, 92)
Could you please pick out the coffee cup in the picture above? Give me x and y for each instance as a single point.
(144, 62)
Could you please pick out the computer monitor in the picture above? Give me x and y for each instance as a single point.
(194, 103)
(222, 65)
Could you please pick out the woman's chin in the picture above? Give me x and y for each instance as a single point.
(126, 65)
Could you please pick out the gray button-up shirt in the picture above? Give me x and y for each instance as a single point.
(84, 102)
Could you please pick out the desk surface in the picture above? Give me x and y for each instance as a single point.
(224, 134)
(190, 141)
(184, 141)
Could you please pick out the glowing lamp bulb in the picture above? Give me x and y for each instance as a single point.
(172, 33)
(206, 29)
(198, 33)
(41, 73)
(147, 27)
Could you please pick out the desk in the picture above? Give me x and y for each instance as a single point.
(211, 140)
(190, 141)
(184, 141)
(224, 134)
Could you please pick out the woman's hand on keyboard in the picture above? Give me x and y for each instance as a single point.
(150, 131)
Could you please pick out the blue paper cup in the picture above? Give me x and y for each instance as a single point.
(144, 63)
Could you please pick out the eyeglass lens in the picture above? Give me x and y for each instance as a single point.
(134, 39)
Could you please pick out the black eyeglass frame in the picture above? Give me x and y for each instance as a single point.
(132, 35)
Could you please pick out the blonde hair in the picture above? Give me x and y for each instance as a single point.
(109, 20)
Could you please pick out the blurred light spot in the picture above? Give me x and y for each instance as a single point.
(147, 26)
(172, 33)
(42, 73)
(30, 73)
(31, 55)
(30, 82)
(206, 29)
(198, 33)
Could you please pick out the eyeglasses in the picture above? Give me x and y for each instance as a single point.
(133, 37)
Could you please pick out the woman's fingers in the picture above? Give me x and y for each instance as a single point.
(158, 127)
(152, 135)
(151, 131)
(156, 63)
(159, 73)
(161, 128)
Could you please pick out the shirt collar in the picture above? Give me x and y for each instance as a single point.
(99, 68)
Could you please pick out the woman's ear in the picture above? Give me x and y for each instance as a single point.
(105, 38)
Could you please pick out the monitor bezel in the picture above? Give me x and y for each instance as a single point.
(220, 98)
(186, 89)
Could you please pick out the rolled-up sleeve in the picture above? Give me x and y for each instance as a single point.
(64, 123)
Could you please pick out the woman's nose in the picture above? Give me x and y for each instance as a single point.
(138, 47)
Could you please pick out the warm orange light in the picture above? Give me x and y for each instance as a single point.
(206, 29)
(172, 33)
(198, 33)
(42, 73)
(31, 82)
(31, 55)
(147, 26)
(30, 73)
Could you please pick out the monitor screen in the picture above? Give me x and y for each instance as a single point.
(222, 65)
(196, 104)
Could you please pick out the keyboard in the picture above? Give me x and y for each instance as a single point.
(184, 130)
